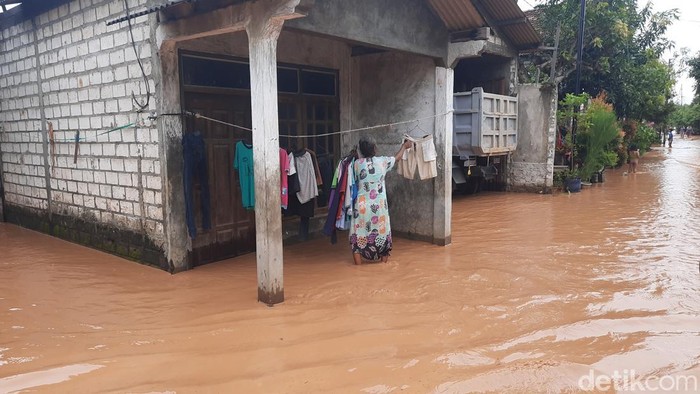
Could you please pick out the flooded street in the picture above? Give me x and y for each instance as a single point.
(536, 294)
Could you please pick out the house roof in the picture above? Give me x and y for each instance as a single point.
(535, 17)
(504, 16)
(25, 10)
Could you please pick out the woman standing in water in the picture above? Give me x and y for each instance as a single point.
(370, 229)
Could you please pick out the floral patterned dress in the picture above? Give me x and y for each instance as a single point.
(370, 230)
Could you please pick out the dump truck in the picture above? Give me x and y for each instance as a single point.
(485, 134)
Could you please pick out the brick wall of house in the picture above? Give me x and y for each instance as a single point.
(69, 68)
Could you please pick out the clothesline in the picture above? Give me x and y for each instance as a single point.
(200, 116)
(83, 139)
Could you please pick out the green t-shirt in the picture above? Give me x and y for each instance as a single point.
(243, 162)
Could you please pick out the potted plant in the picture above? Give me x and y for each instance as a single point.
(597, 138)
(610, 160)
(569, 180)
(591, 136)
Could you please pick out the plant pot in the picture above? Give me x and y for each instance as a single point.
(572, 185)
(597, 177)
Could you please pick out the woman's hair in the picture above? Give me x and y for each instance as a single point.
(367, 147)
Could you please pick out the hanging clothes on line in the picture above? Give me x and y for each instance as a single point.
(327, 168)
(285, 169)
(308, 180)
(341, 199)
(317, 170)
(292, 180)
(195, 167)
(303, 188)
(344, 214)
(243, 163)
(422, 156)
(308, 190)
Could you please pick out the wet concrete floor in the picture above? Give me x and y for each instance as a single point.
(537, 293)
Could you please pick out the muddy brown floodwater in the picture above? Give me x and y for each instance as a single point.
(537, 293)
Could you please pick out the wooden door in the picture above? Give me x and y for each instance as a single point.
(232, 230)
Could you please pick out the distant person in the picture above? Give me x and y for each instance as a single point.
(634, 159)
(670, 138)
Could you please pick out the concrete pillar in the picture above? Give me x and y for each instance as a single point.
(263, 33)
(262, 20)
(442, 194)
(170, 129)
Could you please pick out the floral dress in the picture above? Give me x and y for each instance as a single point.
(370, 230)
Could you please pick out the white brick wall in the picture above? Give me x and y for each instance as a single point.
(88, 72)
(20, 141)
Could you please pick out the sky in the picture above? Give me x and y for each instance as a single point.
(9, 7)
(685, 32)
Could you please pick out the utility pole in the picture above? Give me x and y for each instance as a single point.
(579, 49)
(552, 70)
(579, 57)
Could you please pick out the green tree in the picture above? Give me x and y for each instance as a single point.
(694, 71)
(621, 55)
(644, 138)
(686, 115)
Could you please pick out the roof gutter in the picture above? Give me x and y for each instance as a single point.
(148, 10)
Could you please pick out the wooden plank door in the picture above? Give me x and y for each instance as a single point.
(232, 230)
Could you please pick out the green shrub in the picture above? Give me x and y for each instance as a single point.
(610, 158)
(603, 130)
(644, 138)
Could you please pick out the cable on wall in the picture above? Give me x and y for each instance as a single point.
(141, 106)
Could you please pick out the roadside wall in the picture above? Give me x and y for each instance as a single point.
(69, 68)
(532, 163)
